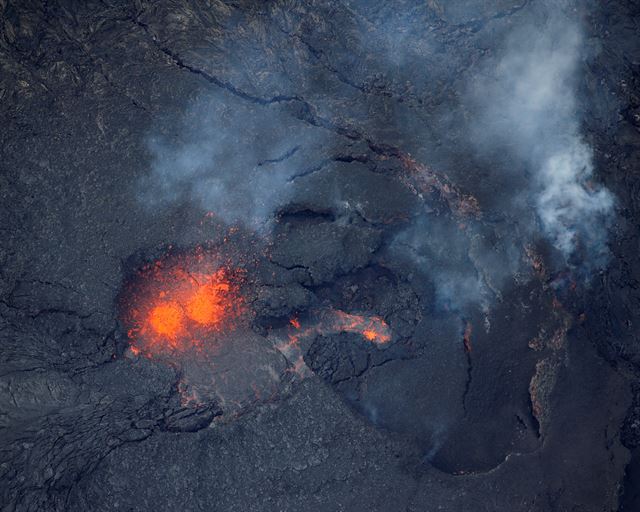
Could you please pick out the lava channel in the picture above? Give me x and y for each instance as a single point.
(373, 329)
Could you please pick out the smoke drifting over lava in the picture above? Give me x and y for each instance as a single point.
(526, 105)
(319, 255)
(462, 249)
(202, 163)
(522, 102)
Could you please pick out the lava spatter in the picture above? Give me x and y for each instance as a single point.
(167, 319)
(178, 302)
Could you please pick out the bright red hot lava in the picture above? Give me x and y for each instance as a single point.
(178, 302)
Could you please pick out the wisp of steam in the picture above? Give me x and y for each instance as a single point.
(238, 161)
(227, 158)
(528, 107)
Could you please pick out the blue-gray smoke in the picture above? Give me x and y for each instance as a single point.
(527, 106)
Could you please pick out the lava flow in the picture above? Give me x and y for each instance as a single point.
(176, 303)
(372, 328)
(333, 321)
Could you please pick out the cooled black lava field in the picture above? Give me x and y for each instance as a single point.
(320, 255)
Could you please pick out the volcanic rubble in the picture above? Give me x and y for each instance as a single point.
(378, 332)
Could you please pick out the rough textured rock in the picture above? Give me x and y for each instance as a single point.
(328, 145)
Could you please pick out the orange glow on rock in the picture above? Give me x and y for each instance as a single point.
(372, 328)
(329, 322)
(177, 303)
(207, 304)
(369, 334)
(466, 337)
(295, 323)
(167, 320)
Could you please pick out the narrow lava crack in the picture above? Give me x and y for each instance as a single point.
(281, 158)
(467, 384)
(319, 54)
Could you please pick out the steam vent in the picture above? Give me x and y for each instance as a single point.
(320, 256)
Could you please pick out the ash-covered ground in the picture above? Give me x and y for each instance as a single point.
(324, 255)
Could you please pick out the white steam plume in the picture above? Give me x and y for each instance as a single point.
(234, 161)
(527, 107)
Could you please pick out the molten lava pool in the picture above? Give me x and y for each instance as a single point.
(177, 303)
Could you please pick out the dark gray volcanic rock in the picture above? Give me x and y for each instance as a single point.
(329, 147)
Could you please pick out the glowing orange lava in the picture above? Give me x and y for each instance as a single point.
(178, 302)
(295, 323)
(369, 334)
(207, 304)
(372, 328)
(167, 320)
(331, 321)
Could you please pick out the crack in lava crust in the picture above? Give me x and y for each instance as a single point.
(373, 329)
(194, 310)
(180, 302)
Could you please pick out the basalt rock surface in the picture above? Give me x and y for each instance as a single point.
(407, 341)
